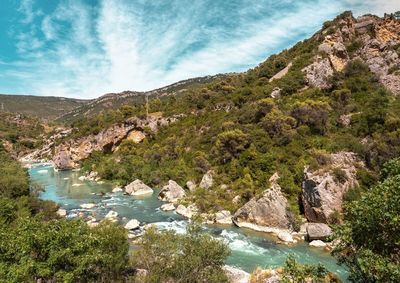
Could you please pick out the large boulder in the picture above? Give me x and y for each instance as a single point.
(63, 159)
(138, 188)
(171, 192)
(268, 213)
(324, 189)
(207, 180)
(318, 231)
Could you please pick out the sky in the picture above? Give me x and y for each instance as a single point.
(86, 48)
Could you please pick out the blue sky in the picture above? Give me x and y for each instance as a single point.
(85, 48)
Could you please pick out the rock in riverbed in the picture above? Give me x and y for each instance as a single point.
(138, 188)
(171, 192)
(132, 224)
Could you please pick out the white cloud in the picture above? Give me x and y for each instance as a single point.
(119, 46)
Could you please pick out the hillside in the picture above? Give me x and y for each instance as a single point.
(331, 98)
(116, 100)
(39, 106)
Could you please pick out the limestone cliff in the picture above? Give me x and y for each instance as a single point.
(372, 39)
(323, 189)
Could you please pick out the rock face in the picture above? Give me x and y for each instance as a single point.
(68, 154)
(63, 159)
(171, 192)
(323, 189)
(268, 213)
(317, 73)
(207, 180)
(377, 38)
(318, 231)
(138, 188)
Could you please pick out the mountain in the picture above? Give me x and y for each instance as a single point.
(46, 107)
(116, 100)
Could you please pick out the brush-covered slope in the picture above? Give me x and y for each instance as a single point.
(335, 98)
(116, 100)
(40, 106)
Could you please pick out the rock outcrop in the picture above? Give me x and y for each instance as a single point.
(207, 180)
(317, 73)
(138, 188)
(171, 192)
(68, 154)
(269, 213)
(323, 190)
(377, 39)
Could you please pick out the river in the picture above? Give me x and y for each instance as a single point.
(249, 249)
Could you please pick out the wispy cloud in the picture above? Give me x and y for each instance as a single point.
(81, 50)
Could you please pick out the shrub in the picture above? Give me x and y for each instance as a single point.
(192, 257)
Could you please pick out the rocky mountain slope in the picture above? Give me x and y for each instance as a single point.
(322, 115)
(49, 108)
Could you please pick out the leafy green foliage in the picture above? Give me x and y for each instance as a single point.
(13, 179)
(61, 250)
(296, 272)
(369, 241)
(193, 257)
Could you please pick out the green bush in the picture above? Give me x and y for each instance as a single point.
(192, 257)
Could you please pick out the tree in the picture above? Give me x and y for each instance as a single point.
(230, 144)
(369, 242)
(190, 258)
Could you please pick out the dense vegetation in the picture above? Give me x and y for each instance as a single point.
(370, 239)
(20, 133)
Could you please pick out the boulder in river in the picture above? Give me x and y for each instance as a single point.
(167, 207)
(117, 189)
(138, 188)
(269, 213)
(317, 244)
(223, 217)
(88, 205)
(111, 215)
(132, 224)
(318, 231)
(171, 192)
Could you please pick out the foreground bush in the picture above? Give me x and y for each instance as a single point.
(370, 239)
(61, 251)
(193, 257)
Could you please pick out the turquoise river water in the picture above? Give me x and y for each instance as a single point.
(249, 249)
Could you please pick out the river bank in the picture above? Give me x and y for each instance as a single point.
(249, 248)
